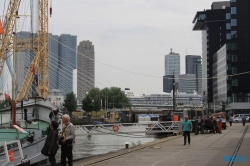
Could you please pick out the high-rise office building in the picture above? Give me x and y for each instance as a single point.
(212, 23)
(219, 73)
(67, 62)
(172, 64)
(187, 83)
(85, 68)
(172, 70)
(168, 83)
(53, 61)
(227, 23)
(194, 66)
(23, 60)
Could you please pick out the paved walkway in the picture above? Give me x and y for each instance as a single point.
(205, 149)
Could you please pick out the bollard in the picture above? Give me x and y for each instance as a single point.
(126, 145)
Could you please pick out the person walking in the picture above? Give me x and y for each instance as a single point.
(220, 123)
(51, 142)
(243, 120)
(203, 122)
(186, 128)
(215, 124)
(66, 140)
(230, 120)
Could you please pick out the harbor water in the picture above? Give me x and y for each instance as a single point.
(86, 146)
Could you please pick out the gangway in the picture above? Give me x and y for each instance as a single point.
(129, 128)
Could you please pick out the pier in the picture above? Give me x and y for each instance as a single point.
(205, 149)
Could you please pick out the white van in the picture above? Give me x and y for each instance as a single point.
(238, 117)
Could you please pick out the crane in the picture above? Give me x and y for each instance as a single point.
(7, 39)
(39, 64)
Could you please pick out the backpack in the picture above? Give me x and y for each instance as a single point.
(244, 119)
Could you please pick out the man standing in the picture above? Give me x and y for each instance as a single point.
(231, 120)
(243, 120)
(203, 122)
(215, 124)
(186, 128)
(67, 137)
(220, 123)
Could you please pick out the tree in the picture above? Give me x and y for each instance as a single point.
(70, 103)
(87, 104)
(92, 100)
(106, 98)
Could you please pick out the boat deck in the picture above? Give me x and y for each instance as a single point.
(10, 135)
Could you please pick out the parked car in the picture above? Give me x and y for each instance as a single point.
(238, 117)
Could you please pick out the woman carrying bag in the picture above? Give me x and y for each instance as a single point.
(50, 147)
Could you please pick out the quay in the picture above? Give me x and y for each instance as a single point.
(205, 149)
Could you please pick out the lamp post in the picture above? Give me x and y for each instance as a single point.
(93, 101)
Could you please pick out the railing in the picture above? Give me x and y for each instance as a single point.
(4, 144)
(128, 128)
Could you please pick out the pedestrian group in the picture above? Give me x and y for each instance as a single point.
(66, 139)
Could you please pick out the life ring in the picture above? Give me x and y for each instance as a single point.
(115, 128)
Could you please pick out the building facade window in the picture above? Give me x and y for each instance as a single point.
(228, 26)
(228, 36)
(232, 46)
(234, 70)
(234, 82)
(233, 10)
(228, 16)
(233, 0)
(234, 58)
(233, 22)
(202, 17)
(233, 34)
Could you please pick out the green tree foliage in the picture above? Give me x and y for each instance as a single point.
(92, 101)
(87, 104)
(70, 103)
(106, 98)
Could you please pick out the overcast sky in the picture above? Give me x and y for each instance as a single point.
(132, 35)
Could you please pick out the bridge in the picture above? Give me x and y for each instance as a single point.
(129, 128)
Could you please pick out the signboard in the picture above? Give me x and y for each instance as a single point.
(20, 129)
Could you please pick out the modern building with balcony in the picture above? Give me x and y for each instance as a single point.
(225, 44)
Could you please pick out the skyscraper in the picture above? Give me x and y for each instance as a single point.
(67, 62)
(53, 61)
(23, 60)
(227, 29)
(172, 67)
(187, 83)
(194, 66)
(172, 64)
(85, 68)
(168, 83)
(212, 23)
